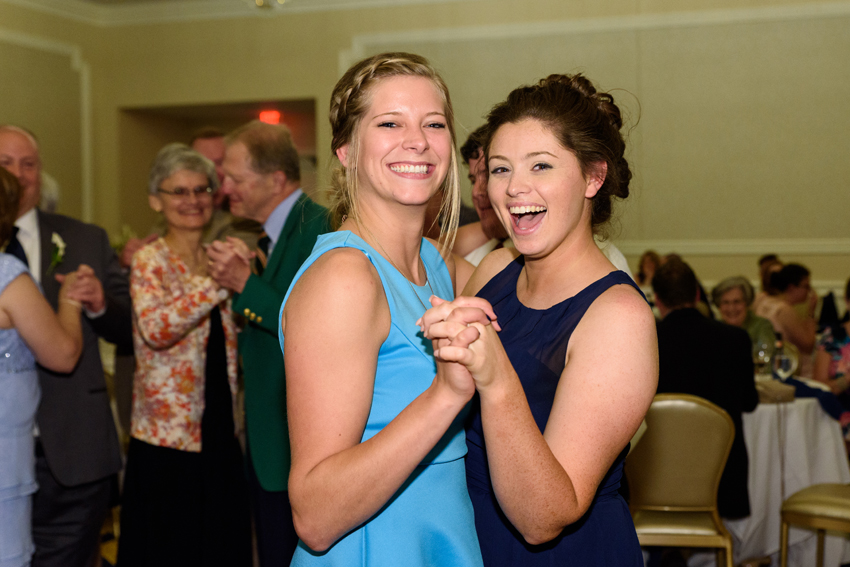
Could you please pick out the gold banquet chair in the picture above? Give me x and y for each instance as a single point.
(674, 472)
(820, 507)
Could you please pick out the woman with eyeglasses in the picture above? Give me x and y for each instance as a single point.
(185, 493)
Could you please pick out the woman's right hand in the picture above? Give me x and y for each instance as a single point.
(464, 332)
(69, 285)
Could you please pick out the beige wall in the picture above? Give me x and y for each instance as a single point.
(740, 149)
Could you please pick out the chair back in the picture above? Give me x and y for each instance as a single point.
(678, 463)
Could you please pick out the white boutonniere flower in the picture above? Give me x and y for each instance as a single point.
(58, 251)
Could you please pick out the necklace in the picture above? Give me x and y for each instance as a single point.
(389, 258)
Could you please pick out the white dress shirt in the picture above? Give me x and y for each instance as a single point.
(29, 237)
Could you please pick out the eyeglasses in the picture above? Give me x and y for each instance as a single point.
(184, 192)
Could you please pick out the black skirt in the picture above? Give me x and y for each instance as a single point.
(184, 509)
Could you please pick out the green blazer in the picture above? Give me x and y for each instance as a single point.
(262, 361)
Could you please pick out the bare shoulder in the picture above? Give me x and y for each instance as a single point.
(343, 273)
(469, 237)
(340, 285)
(622, 306)
(492, 264)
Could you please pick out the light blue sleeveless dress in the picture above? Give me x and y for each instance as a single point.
(19, 396)
(429, 521)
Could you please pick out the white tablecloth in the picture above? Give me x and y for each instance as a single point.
(810, 445)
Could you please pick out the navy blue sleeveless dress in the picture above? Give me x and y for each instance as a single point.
(536, 343)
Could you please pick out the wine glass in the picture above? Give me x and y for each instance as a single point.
(785, 363)
(762, 355)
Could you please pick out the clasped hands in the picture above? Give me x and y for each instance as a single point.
(83, 286)
(230, 263)
(463, 331)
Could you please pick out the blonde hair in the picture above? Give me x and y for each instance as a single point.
(350, 101)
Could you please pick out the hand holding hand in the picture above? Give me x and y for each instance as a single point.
(467, 335)
(469, 310)
(83, 286)
(230, 263)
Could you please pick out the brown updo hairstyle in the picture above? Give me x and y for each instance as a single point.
(586, 122)
(350, 101)
(10, 196)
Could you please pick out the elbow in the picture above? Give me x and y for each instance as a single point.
(67, 356)
(312, 532)
(311, 525)
(539, 528)
(538, 535)
(538, 532)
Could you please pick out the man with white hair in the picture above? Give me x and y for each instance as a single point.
(77, 451)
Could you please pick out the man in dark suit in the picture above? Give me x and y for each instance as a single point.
(708, 359)
(262, 180)
(77, 452)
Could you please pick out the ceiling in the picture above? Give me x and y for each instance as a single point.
(131, 12)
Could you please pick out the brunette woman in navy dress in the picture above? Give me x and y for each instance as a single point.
(565, 384)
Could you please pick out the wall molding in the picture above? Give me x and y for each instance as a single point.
(360, 44)
(81, 66)
(198, 10)
(739, 247)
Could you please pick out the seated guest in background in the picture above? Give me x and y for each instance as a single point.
(768, 264)
(793, 285)
(648, 263)
(733, 297)
(185, 491)
(29, 331)
(708, 359)
(476, 240)
(702, 305)
(832, 358)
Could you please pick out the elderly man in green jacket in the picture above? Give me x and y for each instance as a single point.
(262, 180)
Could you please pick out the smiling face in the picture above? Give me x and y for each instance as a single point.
(733, 307)
(404, 144)
(191, 211)
(537, 188)
(252, 195)
(478, 176)
(20, 157)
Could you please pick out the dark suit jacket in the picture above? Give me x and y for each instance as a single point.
(74, 418)
(259, 347)
(714, 361)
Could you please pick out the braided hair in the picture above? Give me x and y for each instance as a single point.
(350, 101)
(584, 120)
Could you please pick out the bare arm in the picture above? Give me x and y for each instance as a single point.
(800, 331)
(56, 340)
(546, 482)
(334, 322)
(469, 237)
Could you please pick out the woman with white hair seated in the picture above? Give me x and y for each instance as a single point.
(185, 491)
(734, 297)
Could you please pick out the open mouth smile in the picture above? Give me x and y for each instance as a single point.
(525, 218)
